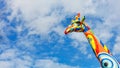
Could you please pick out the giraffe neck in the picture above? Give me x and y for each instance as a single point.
(94, 42)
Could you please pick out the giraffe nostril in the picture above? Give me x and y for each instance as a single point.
(65, 32)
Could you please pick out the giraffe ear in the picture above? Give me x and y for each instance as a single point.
(83, 19)
(78, 14)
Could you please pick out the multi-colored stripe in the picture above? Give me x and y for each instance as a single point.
(94, 42)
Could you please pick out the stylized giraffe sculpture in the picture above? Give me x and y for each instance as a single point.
(100, 50)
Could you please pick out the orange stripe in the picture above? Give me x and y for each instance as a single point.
(99, 48)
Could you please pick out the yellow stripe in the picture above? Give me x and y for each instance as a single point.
(105, 47)
(91, 40)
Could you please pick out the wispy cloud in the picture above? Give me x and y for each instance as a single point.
(40, 23)
(116, 49)
(50, 64)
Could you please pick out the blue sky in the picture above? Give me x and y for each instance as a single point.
(32, 32)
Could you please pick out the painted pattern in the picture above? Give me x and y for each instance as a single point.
(101, 51)
(95, 44)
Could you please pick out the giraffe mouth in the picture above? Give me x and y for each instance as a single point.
(67, 30)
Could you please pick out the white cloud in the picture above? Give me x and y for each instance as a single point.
(8, 54)
(26, 44)
(42, 17)
(82, 46)
(6, 64)
(43, 25)
(116, 49)
(79, 42)
(50, 64)
(3, 37)
(83, 6)
(78, 36)
(13, 58)
(103, 32)
(59, 29)
(18, 63)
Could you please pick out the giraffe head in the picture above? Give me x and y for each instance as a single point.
(73, 28)
(77, 27)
